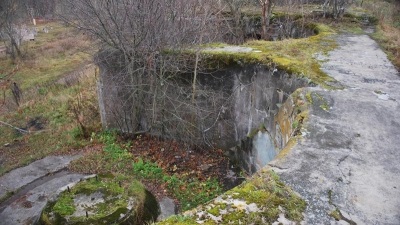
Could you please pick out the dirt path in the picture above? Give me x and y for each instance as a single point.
(348, 162)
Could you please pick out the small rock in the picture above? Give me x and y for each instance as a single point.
(205, 167)
(167, 208)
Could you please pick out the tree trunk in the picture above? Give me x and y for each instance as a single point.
(15, 46)
(265, 20)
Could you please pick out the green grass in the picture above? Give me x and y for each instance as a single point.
(115, 159)
(65, 205)
(264, 189)
(388, 26)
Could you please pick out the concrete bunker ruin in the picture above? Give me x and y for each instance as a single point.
(246, 110)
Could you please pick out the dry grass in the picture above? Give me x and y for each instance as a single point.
(48, 57)
(54, 55)
(388, 37)
(388, 29)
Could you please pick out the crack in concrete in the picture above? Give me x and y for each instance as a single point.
(345, 180)
(337, 214)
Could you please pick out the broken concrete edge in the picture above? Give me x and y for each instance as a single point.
(70, 185)
(105, 198)
(10, 193)
(269, 53)
(262, 198)
(56, 194)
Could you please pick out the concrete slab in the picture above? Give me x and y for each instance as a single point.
(28, 207)
(229, 49)
(20, 177)
(348, 160)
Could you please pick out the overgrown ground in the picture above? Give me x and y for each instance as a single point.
(55, 106)
(167, 168)
(45, 111)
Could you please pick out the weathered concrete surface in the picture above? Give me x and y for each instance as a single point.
(26, 205)
(349, 157)
(167, 208)
(27, 209)
(18, 178)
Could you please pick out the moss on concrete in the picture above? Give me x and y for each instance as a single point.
(260, 200)
(64, 205)
(296, 56)
(108, 198)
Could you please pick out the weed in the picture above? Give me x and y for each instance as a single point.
(295, 124)
(76, 133)
(108, 136)
(190, 192)
(264, 189)
(309, 97)
(324, 106)
(43, 91)
(335, 214)
(172, 181)
(65, 205)
(147, 170)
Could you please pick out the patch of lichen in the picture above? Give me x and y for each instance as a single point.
(179, 220)
(215, 211)
(320, 101)
(255, 131)
(264, 189)
(296, 56)
(267, 191)
(335, 214)
(296, 116)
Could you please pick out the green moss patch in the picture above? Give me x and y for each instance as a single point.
(101, 200)
(296, 56)
(260, 200)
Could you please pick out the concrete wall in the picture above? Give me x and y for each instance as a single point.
(240, 108)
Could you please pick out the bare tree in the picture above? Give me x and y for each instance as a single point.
(12, 14)
(235, 8)
(41, 8)
(144, 45)
(335, 7)
(266, 7)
